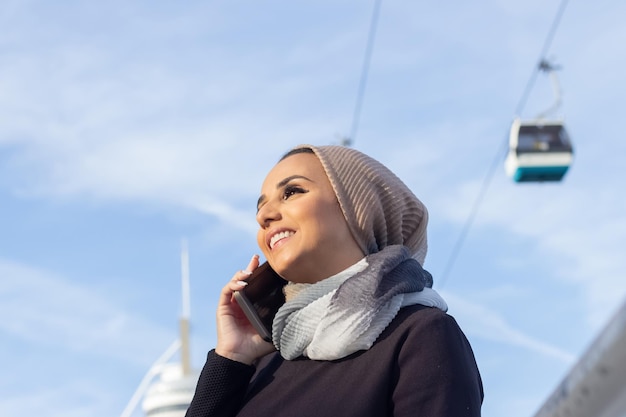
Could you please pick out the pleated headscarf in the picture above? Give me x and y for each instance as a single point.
(379, 208)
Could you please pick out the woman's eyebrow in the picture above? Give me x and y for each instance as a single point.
(288, 179)
(281, 184)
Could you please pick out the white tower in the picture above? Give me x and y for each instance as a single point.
(169, 386)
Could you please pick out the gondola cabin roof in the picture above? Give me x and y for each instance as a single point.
(539, 150)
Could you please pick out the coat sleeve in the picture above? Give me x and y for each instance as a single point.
(436, 373)
(221, 387)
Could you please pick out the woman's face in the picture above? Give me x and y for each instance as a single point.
(303, 233)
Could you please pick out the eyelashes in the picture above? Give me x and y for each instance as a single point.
(288, 191)
(291, 190)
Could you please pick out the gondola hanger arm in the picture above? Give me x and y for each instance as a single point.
(550, 69)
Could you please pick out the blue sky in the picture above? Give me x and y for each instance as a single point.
(126, 127)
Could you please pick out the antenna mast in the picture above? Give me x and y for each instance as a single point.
(184, 320)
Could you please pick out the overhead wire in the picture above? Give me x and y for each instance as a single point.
(542, 57)
(356, 115)
(456, 249)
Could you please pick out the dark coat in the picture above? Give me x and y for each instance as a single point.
(421, 365)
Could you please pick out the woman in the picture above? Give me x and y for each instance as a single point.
(362, 332)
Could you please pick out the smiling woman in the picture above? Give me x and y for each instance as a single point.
(303, 211)
(362, 332)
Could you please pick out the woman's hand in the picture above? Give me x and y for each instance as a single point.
(236, 337)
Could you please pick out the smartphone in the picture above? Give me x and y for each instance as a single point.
(261, 298)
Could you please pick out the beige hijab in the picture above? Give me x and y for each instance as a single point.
(379, 208)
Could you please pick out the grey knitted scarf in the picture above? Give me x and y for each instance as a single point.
(347, 312)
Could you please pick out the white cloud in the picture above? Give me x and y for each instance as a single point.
(578, 229)
(76, 398)
(479, 321)
(47, 310)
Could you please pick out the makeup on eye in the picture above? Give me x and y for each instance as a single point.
(284, 183)
(291, 189)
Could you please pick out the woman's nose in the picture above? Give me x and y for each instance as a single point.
(267, 213)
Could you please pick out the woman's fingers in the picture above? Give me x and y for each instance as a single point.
(236, 338)
(238, 280)
(253, 264)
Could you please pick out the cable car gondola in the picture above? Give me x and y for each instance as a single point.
(539, 150)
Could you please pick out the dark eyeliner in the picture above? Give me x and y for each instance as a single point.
(291, 189)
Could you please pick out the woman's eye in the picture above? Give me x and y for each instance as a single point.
(291, 190)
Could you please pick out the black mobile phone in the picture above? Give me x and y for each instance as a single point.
(261, 298)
